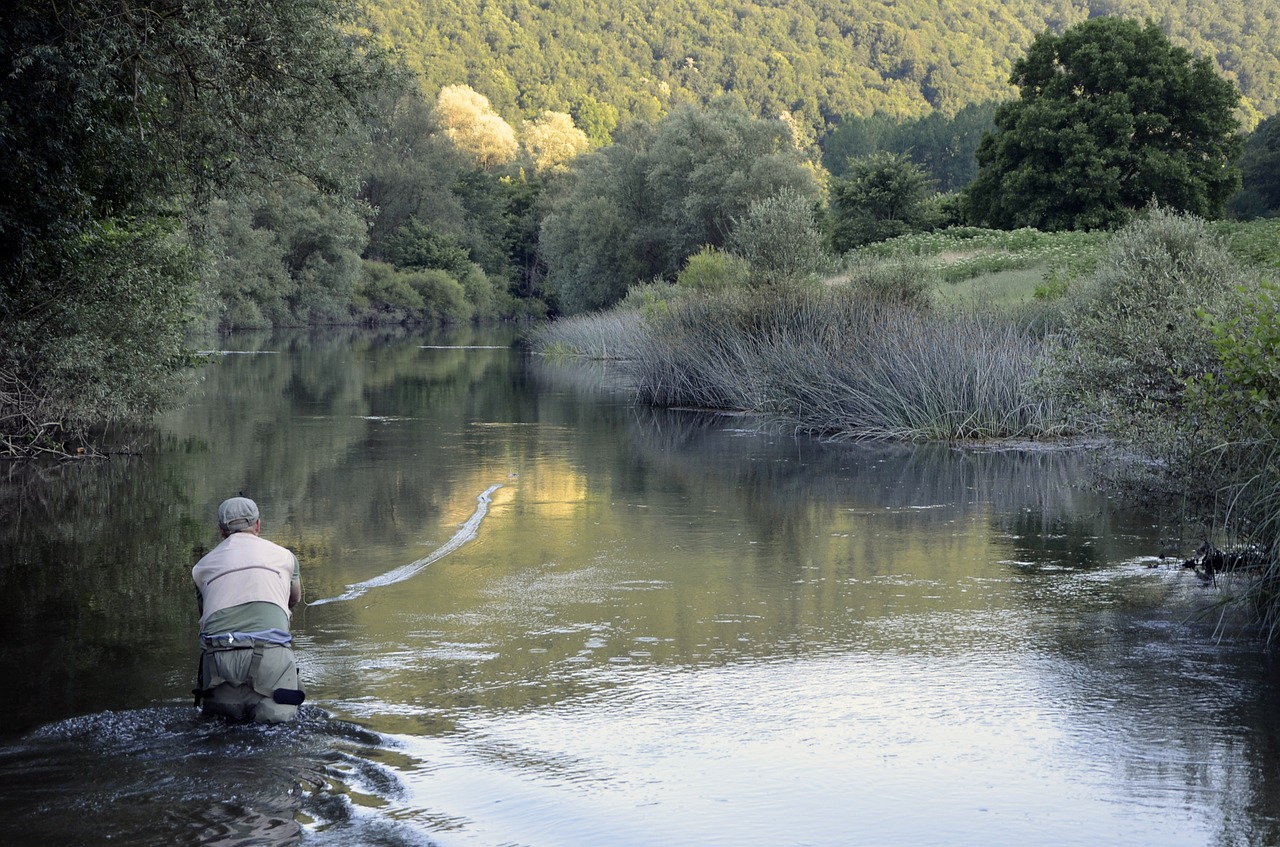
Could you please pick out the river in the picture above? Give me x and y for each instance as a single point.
(536, 615)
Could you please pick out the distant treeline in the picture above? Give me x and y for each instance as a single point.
(607, 62)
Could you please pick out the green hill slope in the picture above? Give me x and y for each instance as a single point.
(605, 61)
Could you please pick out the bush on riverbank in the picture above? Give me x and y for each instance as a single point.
(1133, 338)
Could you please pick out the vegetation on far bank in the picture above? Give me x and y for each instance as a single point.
(922, 303)
(1160, 337)
(821, 61)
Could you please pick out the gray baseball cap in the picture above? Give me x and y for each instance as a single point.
(237, 514)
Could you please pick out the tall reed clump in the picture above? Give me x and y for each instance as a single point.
(843, 362)
(704, 351)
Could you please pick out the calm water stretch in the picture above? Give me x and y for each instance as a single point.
(538, 616)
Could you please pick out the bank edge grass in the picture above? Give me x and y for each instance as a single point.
(602, 336)
(1256, 242)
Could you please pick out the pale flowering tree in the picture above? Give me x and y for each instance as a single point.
(473, 126)
(552, 140)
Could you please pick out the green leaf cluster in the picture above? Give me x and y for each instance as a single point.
(1111, 117)
(1132, 340)
(884, 196)
(1260, 172)
(1247, 345)
(943, 145)
(639, 208)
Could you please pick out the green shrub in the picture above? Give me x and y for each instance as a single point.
(1246, 390)
(649, 298)
(107, 345)
(779, 238)
(417, 245)
(443, 298)
(385, 292)
(1132, 338)
(1242, 401)
(713, 269)
(484, 294)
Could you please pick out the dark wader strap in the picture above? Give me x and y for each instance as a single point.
(255, 670)
(207, 678)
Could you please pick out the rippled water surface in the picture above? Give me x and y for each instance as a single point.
(538, 615)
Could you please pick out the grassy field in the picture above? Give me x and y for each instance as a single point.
(998, 268)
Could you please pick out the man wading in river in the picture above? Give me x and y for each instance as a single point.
(246, 588)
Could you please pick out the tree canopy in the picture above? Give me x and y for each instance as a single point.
(1260, 168)
(639, 208)
(883, 197)
(114, 117)
(1110, 117)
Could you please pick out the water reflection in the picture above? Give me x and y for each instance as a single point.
(666, 629)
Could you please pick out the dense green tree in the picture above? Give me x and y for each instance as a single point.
(503, 216)
(707, 166)
(941, 144)
(411, 171)
(638, 209)
(114, 115)
(713, 269)
(1111, 115)
(417, 245)
(416, 173)
(857, 136)
(884, 196)
(599, 235)
(598, 120)
(284, 255)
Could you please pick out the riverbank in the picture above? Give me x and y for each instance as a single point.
(1154, 341)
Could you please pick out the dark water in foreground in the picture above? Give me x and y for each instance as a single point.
(540, 616)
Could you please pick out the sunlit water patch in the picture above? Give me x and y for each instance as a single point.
(843, 750)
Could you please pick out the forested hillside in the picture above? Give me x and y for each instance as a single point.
(605, 61)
